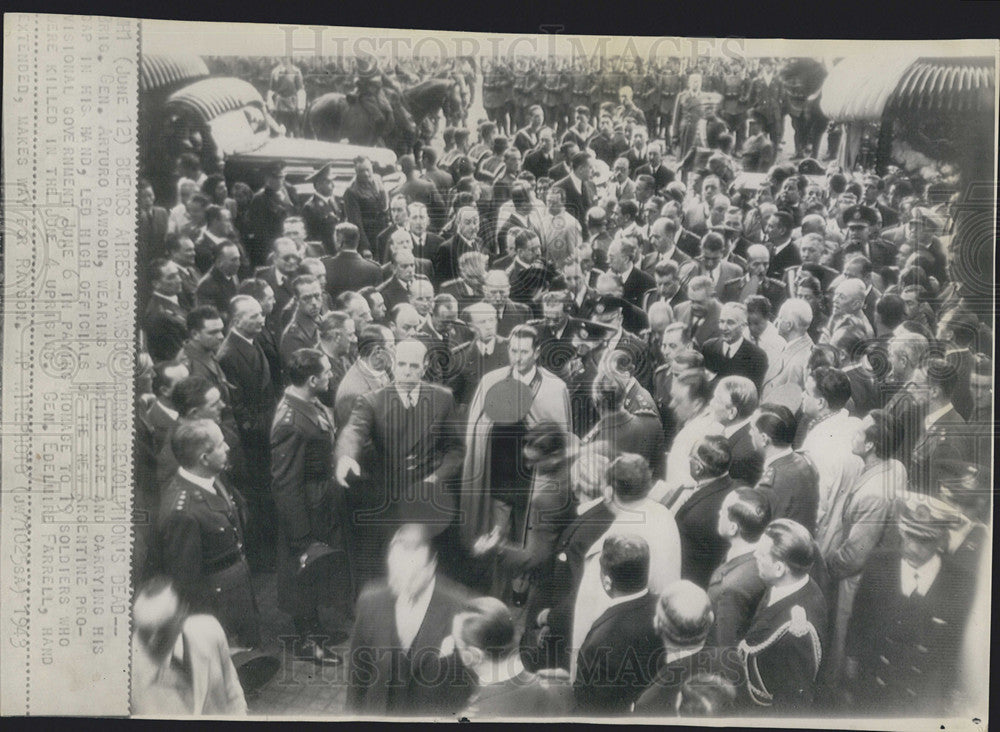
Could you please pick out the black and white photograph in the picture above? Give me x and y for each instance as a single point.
(484, 379)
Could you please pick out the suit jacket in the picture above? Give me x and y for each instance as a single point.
(747, 463)
(414, 444)
(660, 698)
(637, 284)
(357, 381)
(448, 253)
(622, 191)
(461, 291)
(559, 592)
(393, 293)
(707, 327)
(786, 378)
(427, 249)
(773, 290)
(653, 296)
(321, 217)
(348, 270)
(152, 232)
(578, 203)
(380, 248)
(265, 217)
(252, 389)
(301, 332)
(727, 271)
(524, 695)
(735, 589)
(425, 192)
(787, 257)
(702, 549)
(538, 162)
(650, 259)
(165, 327)
(618, 658)
(215, 289)
(469, 364)
(514, 313)
(787, 668)
(662, 177)
(791, 484)
(908, 648)
(749, 361)
(689, 243)
(386, 679)
(283, 293)
(945, 440)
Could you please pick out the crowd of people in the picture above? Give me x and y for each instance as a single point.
(538, 446)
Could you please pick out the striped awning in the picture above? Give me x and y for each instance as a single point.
(864, 89)
(160, 70)
(210, 98)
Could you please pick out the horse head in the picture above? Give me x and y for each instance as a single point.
(455, 101)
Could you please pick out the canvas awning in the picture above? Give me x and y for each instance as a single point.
(161, 70)
(210, 98)
(864, 89)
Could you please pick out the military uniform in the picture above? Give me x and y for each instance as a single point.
(310, 508)
(321, 217)
(199, 544)
(637, 431)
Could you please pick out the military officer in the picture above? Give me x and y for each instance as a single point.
(199, 533)
(311, 508)
(321, 213)
(863, 236)
(784, 645)
(905, 636)
(269, 208)
(636, 429)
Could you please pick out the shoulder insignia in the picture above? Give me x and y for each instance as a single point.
(799, 624)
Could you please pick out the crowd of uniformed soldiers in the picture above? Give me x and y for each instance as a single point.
(790, 379)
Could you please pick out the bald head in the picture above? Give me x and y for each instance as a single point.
(660, 316)
(683, 615)
(849, 295)
(794, 318)
(813, 224)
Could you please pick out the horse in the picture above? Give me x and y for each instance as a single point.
(381, 121)
(429, 97)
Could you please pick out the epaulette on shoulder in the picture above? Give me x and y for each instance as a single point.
(181, 501)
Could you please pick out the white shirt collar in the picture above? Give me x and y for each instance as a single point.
(730, 349)
(218, 239)
(240, 335)
(172, 413)
(780, 593)
(628, 272)
(612, 601)
(735, 427)
(498, 673)
(919, 578)
(409, 397)
(486, 348)
(207, 483)
(678, 655)
(782, 246)
(934, 416)
(777, 456)
(168, 298)
(739, 551)
(587, 505)
(577, 183)
(526, 378)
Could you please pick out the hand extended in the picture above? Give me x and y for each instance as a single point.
(346, 467)
(486, 543)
